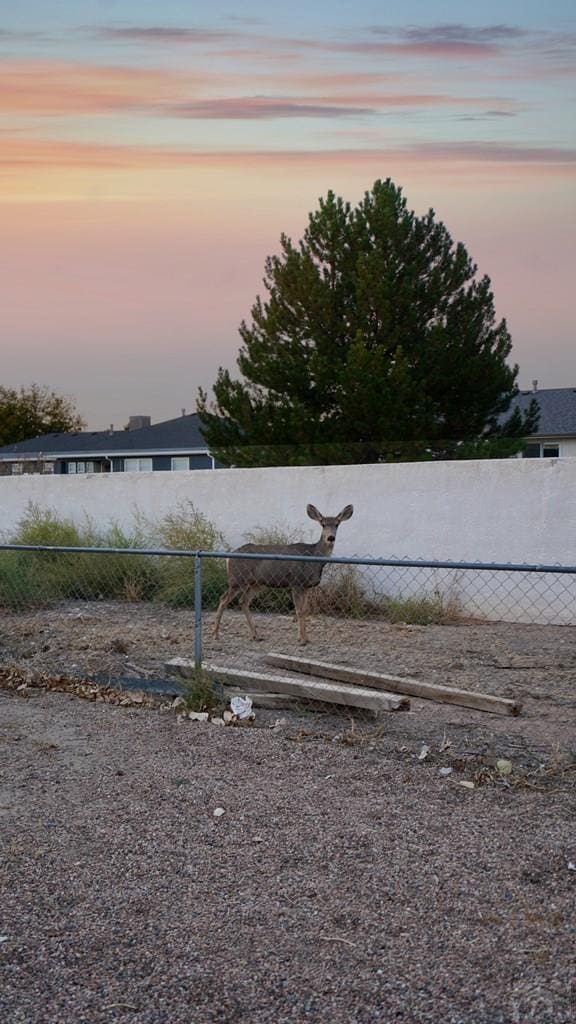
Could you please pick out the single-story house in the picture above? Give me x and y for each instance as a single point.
(172, 445)
(178, 444)
(555, 436)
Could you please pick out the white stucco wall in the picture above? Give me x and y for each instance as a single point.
(502, 510)
(513, 510)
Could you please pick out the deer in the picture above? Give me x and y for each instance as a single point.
(246, 577)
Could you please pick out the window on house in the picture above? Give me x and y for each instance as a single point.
(71, 467)
(180, 462)
(202, 461)
(535, 450)
(137, 465)
(17, 469)
(531, 451)
(47, 467)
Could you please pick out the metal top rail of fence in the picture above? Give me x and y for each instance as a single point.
(408, 563)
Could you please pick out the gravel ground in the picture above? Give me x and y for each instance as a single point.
(346, 880)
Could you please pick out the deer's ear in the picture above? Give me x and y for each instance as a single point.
(313, 513)
(346, 513)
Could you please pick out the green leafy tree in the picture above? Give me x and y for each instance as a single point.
(378, 341)
(33, 411)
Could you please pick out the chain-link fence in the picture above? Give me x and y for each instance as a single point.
(127, 616)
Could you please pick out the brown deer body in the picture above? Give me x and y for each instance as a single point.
(248, 576)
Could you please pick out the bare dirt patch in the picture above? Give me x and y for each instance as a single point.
(345, 881)
(348, 877)
(351, 876)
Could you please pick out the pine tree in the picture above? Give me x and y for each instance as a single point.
(377, 341)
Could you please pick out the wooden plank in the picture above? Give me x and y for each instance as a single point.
(182, 668)
(328, 693)
(397, 684)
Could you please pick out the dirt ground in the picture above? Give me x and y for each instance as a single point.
(348, 875)
(535, 665)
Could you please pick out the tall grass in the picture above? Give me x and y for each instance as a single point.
(424, 610)
(38, 578)
(188, 529)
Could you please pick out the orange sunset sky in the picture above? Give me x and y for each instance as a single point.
(151, 154)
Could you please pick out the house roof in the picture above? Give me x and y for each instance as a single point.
(557, 410)
(180, 434)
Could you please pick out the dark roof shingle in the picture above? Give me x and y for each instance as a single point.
(182, 433)
(557, 410)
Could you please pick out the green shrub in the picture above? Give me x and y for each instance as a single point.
(43, 526)
(426, 610)
(20, 587)
(342, 593)
(41, 577)
(201, 692)
(274, 535)
(37, 578)
(187, 529)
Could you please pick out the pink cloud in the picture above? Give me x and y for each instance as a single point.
(450, 41)
(258, 108)
(494, 152)
(271, 107)
(447, 40)
(63, 88)
(66, 89)
(19, 153)
(163, 34)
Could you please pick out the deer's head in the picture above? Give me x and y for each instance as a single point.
(329, 524)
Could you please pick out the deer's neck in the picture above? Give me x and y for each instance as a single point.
(322, 547)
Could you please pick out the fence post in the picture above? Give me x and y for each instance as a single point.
(197, 611)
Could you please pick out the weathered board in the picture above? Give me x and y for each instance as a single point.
(328, 693)
(396, 684)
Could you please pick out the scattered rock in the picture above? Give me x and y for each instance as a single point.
(119, 646)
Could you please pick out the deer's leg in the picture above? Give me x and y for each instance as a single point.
(300, 598)
(247, 598)
(230, 594)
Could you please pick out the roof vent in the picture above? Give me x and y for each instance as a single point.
(138, 422)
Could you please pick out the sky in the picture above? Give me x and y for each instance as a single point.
(152, 153)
